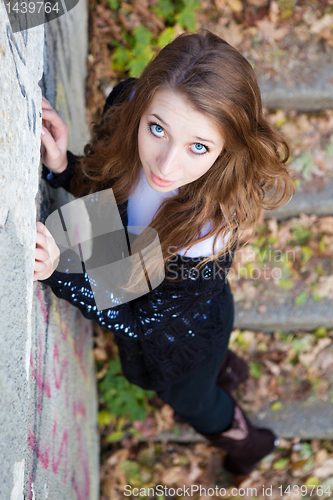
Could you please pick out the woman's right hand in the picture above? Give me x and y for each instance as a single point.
(47, 253)
(54, 139)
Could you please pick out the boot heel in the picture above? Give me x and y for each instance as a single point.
(245, 444)
(237, 465)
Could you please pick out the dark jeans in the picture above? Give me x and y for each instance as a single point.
(199, 401)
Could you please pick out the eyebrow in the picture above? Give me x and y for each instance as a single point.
(200, 139)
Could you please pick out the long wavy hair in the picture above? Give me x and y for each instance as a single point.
(249, 175)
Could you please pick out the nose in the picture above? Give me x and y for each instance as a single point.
(168, 162)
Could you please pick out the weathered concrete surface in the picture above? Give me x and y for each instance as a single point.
(63, 83)
(62, 456)
(285, 316)
(48, 429)
(21, 68)
(15, 335)
(298, 419)
(318, 202)
(66, 406)
(295, 419)
(309, 88)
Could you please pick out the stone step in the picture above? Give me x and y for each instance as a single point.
(318, 202)
(299, 419)
(308, 87)
(284, 315)
(295, 419)
(303, 97)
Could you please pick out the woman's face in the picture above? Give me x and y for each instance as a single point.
(177, 144)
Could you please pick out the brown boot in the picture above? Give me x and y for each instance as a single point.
(246, 445)
(232, 372)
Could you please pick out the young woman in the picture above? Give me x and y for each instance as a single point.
(187, 151)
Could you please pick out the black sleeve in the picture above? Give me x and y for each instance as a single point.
(118, 94)
(64, 179)
(163, 305)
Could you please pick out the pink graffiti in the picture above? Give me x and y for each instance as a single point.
(63, 451)
(84, 493)
(63, 371)
(43, 385)
(43, 457)
(79, 409)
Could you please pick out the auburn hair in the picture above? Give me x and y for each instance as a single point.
(249, 175)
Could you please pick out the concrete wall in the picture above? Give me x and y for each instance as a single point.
(48, 430)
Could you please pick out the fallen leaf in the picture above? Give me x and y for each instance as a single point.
(164, 418)
(321, 457)
(325, 225)
(273, 227)
(270, 31)
(324, 360)
(234, 34)
(236, 5)
(325, 287)
(309, 354)
(258, 3)
(283, 237)
(173, 475)
(274, 12)
(220, 4)
(326, 470)
(195, 471)
(322, 24)
(273, 368)
(117, 457)
(100, 354)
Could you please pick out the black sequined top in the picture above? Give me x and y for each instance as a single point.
(165, 334)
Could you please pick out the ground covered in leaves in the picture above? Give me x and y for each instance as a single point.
(284, 367)
(292, 259)
(288, 261)
(277, 364)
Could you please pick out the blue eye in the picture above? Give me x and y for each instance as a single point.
(158, 129)
(200, 149)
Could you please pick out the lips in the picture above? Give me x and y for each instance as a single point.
(160, 182)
